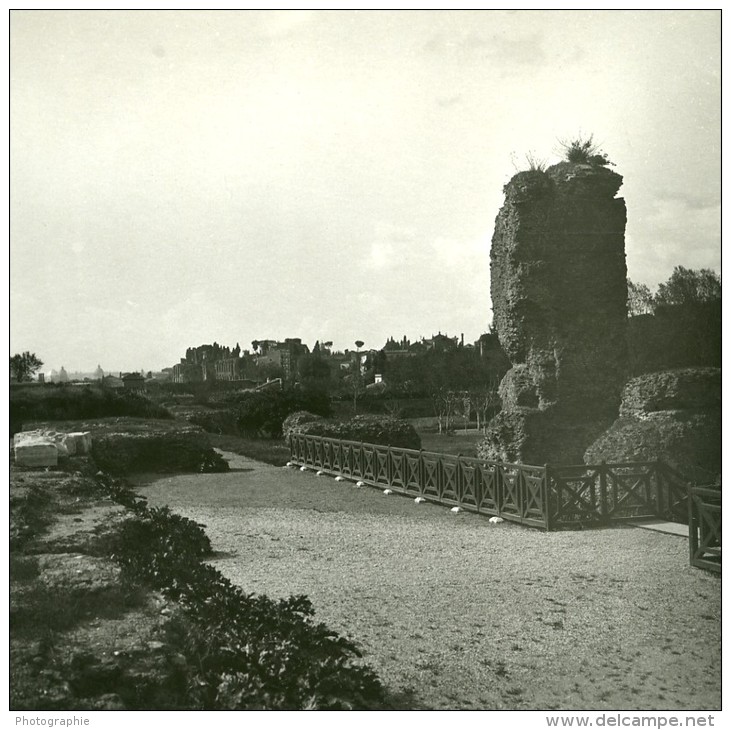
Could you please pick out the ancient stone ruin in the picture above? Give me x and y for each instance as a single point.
(559, 294)
(671, 415)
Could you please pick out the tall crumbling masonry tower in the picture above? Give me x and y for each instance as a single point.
(559, 294)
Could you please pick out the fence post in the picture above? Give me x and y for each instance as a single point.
(459, 480)
(440, 477)
(660, 487)
(499, 495)
(389, 466)
(604, 509)
(421, 471)
(692, 525)
(547, 514)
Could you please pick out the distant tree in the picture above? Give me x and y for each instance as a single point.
(639, 299)
(313, 371)
(466, 408)
(487, 402)
(354, 383)
(445, 404)
(23, 367)
(689, 286)
(359, 343)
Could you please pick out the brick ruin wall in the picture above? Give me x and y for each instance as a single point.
(559, 293)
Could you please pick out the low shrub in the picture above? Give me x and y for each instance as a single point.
(30, 513)
(214, 421)
(257, 414)
(241, 651)
(583, 150)
(72, 403)
(370, 429)
(154, 449)
(294, 421)
(155, 542)
(252, 652)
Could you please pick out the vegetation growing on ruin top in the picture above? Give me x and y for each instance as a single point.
(583, 150)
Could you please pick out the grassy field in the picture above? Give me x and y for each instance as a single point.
(456, 443)
(269, 451)
(276, 452)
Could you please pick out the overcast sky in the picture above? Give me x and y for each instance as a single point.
(182, 177)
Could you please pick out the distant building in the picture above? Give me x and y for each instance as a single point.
(207, 363)
(394, 350)
(186, 372)
(228, 368)
(282, 354)
(110, 381)
(442, 343)
(133, 381)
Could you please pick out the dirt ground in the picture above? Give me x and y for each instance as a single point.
(461, 613)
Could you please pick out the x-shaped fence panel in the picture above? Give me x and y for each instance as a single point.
(413, 473)
(430, 476)
(382, 467)
(631, 492)
(573, 492)
(450, 481)
(704, 529)
(470, 497)
(490, 493)
(551, 496)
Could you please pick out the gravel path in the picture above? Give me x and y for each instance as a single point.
(464, 614)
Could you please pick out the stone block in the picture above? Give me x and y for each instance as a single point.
(82, 442)
(36, 453)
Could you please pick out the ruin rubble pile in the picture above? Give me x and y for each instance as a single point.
(673, 416)
(559, 293)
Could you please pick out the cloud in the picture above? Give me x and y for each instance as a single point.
(447, 101)
(689, 200)
(390, 243)
(284, 23)
(469, 255)
(382, 255)
(656, 243)
(503, 50)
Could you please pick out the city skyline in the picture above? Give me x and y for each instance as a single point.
(184, 177)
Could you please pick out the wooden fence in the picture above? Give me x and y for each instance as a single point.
(547, 496)
(704, 527)
(603, 493)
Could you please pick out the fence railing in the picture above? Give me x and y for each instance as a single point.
(602, 493)
(704, 527)
(547, 496)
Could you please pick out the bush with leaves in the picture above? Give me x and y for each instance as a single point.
(583, 150)
(154, 542)
(370, 429)
(252, 652)
(261, 413)
(294, 421)
(74, 403)
(242, 651)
